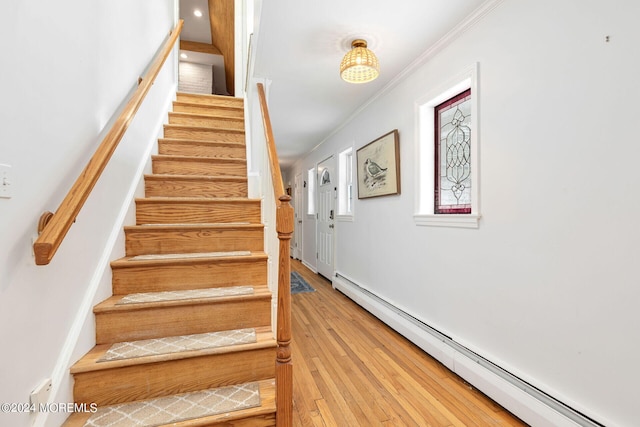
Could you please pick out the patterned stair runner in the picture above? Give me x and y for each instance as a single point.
(176, 408)
(167, 345)
(185, 294)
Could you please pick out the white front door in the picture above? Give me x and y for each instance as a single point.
(298, 214)
(327, 189)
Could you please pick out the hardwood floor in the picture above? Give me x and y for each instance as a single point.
(350, 369)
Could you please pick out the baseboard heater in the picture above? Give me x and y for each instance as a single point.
(347, 286)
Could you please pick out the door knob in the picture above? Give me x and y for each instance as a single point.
(330, 225)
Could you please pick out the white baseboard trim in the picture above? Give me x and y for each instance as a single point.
(526, 402)
(309, 266)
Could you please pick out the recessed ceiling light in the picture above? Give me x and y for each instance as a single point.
(183, 56)
(197, 13)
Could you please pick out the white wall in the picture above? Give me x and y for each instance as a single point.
(547, 286)
(67, 67)
(195, 78)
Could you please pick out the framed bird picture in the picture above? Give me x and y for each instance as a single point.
(379, 167)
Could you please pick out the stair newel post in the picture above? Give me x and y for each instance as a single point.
(284, 365)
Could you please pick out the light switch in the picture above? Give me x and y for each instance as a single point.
(6, 184)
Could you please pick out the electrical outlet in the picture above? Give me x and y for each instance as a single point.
(40, 395)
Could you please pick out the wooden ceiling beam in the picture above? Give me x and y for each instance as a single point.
(199, 47)
(221, 16)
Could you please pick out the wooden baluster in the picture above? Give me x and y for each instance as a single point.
(284, 365)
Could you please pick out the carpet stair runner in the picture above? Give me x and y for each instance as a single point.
(209, 407)
(186, 338)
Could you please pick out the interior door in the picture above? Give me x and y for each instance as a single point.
(298, 214)
(327, 189)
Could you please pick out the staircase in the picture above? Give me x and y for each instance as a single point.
(187, 333)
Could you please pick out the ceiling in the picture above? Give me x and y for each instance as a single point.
(196, 29)
(300, 45)
(208, 38)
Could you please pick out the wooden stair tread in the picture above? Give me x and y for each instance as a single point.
(90, 363)
(180, 94)
(219, 110)
(204, 128)
(224, 108)
(196, 238)
(211, 106)
(198, 200)
(204, 133)
(207, 226)
(199, 158)
(210, 178)
(205, 116)
(203, 142)
(155, 276)
(215, 120)
(266, 410)
(209, 146)
(206, 97)
(126, 263)
(188, 255)
(179, 184)
(111, 304)
(201, 164)
(162, 210)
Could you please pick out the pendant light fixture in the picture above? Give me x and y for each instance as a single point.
(359, 65)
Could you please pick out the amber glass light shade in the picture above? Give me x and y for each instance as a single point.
(359, 65)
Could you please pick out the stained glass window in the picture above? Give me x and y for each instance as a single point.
(453, 155)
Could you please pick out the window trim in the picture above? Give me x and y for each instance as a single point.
(311, 191)
(425, 152)
(348, 215)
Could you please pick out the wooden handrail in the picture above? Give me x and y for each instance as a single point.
(284, 228)
(54, 229)
(276, 175)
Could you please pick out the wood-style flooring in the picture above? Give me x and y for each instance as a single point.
(350, 370)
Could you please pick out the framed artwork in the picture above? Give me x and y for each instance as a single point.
(379, 167)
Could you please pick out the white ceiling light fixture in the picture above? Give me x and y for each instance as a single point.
(359, 65)
(197, 13)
